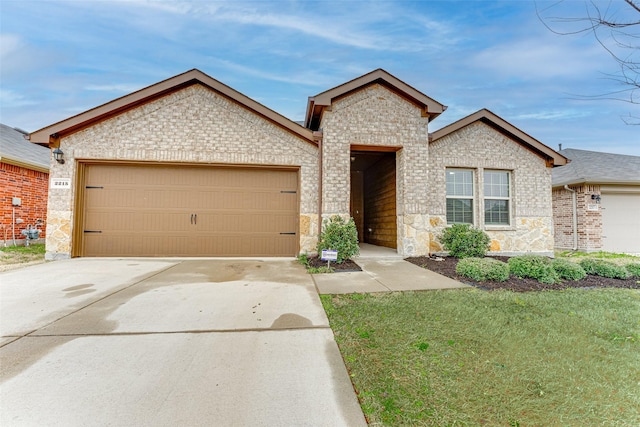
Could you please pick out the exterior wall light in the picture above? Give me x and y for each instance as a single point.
(595, 197)
(58, 155)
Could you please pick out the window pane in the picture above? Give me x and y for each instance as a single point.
(496, 212)
(459, 210)
(459, 183)
(496, 184)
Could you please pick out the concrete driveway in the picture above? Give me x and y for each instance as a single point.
(169, 342)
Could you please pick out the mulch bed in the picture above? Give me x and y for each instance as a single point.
(447, 267)
(345, 266)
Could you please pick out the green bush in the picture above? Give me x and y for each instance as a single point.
(634, 269)
(600, 267)
(464, 241)
(568, 270)
(339, 235)
(535, 267)
(483, 269)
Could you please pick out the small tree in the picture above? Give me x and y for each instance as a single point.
(341, 236)
(464, 241)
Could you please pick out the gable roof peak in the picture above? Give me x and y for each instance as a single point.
(491, 119)
(50, 134)
(317, 104)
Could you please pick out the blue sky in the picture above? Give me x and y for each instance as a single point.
(60, 58)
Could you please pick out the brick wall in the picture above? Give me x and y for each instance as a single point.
(589, 218)
(193, 125)
(375, 116)
(479, 147)
(563, 218)
(30, 186)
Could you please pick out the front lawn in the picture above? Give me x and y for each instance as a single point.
(471, 357)
(13, 256)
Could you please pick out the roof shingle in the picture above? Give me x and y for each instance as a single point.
(14, 148)
(597, 168)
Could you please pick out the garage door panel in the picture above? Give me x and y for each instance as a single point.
(246, 223)
(113, 196)
(168, 222)
(190, 211)
(250, 245)
(110, 220)
(162, 198)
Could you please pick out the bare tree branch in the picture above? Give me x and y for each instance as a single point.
(615, 28)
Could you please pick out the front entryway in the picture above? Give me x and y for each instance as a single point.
(373, 197)
(158, 210)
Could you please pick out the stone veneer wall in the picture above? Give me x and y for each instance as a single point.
(589, 222)
(479, 147)
(376, 116)
(192, 125)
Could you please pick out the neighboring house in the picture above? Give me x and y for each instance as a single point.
(596, 202)
(24, 180)
(191, 167)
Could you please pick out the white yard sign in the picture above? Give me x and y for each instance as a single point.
(329, 255)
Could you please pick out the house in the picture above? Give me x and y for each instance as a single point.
(596, 201)
(24, 180)
(191, 167)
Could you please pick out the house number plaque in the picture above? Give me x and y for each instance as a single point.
(61, 183)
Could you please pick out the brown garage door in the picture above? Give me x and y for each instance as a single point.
(136, 210)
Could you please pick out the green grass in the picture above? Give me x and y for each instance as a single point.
(16, 255)
(468, 357)
(33, 249)
(619, 259)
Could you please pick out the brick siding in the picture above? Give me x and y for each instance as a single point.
(375, 116)
(589, 218)
(479, 147)
(31, 187)
(197, 125)
(193, 125)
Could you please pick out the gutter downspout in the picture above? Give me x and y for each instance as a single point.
(574, 217)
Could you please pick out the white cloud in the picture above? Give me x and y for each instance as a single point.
(553, 115)
(539, 57)
(122, 87)
(10, 99)
(9, 43)
(309, 78)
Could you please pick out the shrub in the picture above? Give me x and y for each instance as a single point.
(600, 267)
(482, 269)
(339, 235)
(464, 241)
(533, 266)
(304, 260)
(568, 270)
(634, 268)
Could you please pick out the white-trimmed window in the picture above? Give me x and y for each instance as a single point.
(497, 198)
(459, 196)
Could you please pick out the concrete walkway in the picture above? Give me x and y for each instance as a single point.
(93, 342)
(383, 270)
(166, 342)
